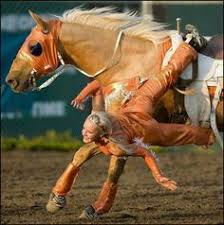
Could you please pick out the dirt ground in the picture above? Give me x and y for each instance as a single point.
(27, 178)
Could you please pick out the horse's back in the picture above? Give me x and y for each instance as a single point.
(214, 48)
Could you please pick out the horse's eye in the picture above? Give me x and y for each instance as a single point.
(36, 49)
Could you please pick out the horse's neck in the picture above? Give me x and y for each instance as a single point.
(85, 46)
(138, 57)
(92, 48)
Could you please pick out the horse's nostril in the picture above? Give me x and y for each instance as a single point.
(12, 82)
(9, 81)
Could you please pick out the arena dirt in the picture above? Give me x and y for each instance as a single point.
(27, 178)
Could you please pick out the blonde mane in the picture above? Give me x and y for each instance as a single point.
(108, 19)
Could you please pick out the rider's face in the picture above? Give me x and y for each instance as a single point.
(90, 132)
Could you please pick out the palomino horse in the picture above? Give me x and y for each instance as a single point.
(108, 46)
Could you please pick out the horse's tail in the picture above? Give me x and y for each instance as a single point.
(187, 91)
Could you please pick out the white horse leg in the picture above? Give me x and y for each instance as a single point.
(215, 101)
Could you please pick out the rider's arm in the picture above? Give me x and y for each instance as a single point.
(98, 101)
(90, 89)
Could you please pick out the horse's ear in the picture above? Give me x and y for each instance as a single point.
(40, 22)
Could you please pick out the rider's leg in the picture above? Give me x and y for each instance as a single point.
(141, 106)
(156, 86)
(148, 95)
(107, 194)
(178, 134)
(65, 181)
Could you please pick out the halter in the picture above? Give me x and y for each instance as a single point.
(64, 66)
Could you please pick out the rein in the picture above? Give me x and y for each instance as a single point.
(64, 66)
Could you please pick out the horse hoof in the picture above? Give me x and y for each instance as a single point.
(55, 203)
(89, 213)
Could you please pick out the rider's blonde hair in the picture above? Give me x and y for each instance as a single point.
(102, 121)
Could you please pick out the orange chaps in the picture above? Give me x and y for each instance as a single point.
(105, 198)
(64, 183)
(156, 86)
(136, 116)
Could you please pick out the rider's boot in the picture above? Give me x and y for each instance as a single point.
(198, 41)
(182, 57)
(103, 204)
(63, 185)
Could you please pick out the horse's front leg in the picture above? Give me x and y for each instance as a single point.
(64, 183)
(108, 192)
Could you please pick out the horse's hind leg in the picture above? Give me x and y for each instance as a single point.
(215, 102)
(64, 183)
(108, 192)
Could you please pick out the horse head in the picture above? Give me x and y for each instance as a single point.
(37, 56)
(98, 42)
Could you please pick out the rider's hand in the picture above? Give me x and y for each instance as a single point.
(167, 183)
(78, 103)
